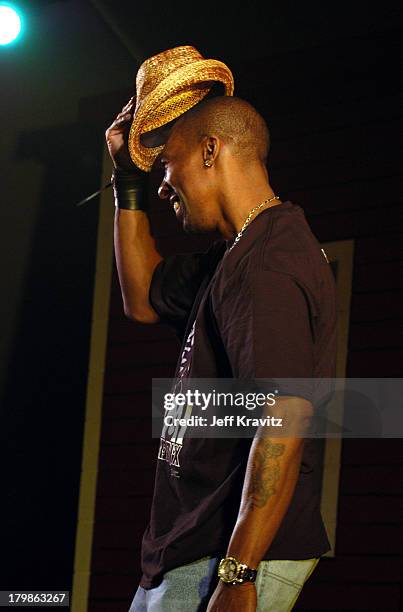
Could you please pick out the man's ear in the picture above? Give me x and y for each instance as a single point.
(211, 147)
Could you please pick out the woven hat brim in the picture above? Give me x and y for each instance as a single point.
(184, 79)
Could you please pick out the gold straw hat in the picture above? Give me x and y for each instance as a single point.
(168, 85)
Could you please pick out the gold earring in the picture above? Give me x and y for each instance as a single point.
(208, 163)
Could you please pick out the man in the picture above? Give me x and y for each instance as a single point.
(258, 304)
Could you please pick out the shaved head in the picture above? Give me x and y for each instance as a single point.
(236, 122)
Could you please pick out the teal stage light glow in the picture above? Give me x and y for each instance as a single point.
(10, 24)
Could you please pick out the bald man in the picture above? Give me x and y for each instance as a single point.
(235, 523)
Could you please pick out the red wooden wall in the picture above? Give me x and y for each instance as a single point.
(334, 114)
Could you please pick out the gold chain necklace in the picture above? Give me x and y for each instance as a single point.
(248, 218)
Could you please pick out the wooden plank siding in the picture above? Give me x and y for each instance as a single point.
(334, 114)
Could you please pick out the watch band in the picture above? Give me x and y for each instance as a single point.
(249, 575)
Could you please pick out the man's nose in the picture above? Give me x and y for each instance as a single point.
(164, 190)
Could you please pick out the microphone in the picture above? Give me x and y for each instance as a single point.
(94, 195)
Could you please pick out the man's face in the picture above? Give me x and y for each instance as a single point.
(187, 183)
(157, 137)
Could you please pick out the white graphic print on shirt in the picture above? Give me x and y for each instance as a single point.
(172, 436)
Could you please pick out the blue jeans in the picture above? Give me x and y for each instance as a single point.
(188, 588)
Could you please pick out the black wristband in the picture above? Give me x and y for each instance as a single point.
(129, 190)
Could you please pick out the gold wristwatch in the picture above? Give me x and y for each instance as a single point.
(232, 571)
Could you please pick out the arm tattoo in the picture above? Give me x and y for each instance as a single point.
(265, 473)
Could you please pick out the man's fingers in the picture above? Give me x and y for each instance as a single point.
(120, 120)
(130, 104)
(126, 113)
(124, 117)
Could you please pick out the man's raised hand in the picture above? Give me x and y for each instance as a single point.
(117, 136)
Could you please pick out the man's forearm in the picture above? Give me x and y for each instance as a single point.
(136, 259)
(270, 479)
(135, 250)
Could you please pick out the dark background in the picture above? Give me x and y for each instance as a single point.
(327, 77)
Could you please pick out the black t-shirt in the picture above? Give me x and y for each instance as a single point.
(265, 309)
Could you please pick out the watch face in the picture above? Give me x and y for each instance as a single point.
(227, 569)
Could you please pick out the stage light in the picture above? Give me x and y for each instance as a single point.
(10, 24)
